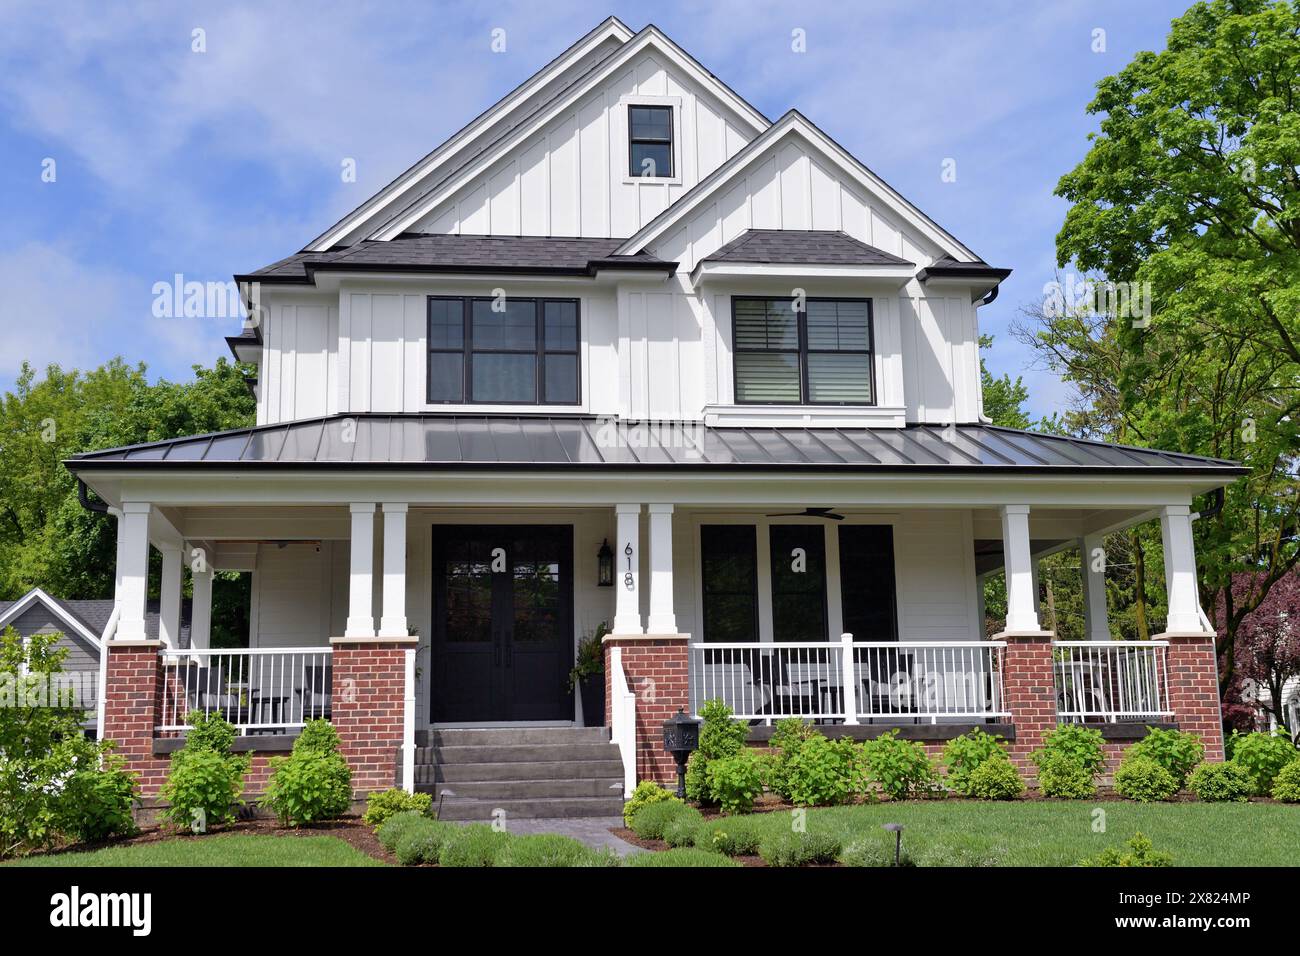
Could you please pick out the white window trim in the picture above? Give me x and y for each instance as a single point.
(623, 132)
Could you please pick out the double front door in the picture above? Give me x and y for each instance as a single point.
(502, 622)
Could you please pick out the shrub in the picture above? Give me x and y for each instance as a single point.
(788, 848)
(964, 754)
(873, 853)
(314, 783)
(996, 779)
(650, 820)
(736, 781)
(475, 844)
(96, 802)
(720, 736)
(733, 837)
(697, 778)
(1262, 756)
(1081, 744)
(422, 840)
(945, 854)
(1060, 775)
(900, 768)
(551, 850)
(789, 734)
(823, 772)
(391, 831)
(1286, 785)
(647, 791)
(384, 804)
(682, 857)
(680, 829)
(209, 732)
(1221, 783)
(203, 788)
(1141, 778)
(1176, 751)
(1139, 852)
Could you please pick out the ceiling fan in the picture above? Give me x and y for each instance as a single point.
(810, 513)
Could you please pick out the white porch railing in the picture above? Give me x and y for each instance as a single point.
(1113, 681)
(259, 690)
(851, 682)
(623, 719)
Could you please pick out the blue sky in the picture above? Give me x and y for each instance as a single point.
(169, 161)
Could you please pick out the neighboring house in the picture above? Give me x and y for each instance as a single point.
(625, 350)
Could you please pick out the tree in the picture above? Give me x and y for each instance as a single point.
(1268, 646)
(1003, 399)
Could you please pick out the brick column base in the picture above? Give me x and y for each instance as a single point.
(1193, 671)
(1028, 692)
(133, 708)
(656, 668)
(367, 704)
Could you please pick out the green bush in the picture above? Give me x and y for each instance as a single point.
(203, 788)
(735, 782)
(1286, 785)
(1081, 744)
(680, 829)
(551, 850)
(383, 804)
(996, 779)
(790, 848)
(314, 783)
(697, 778)
(1061, 775)
(873, 853)
(96, 802)
(209, 732)
(1138, 852)
(647, 791)
(1141, 778)
(736, 836)
(650, 820)
(964, 754)
(900, 768)
(1221, 783)
(720, 736)
(391, 831)
(683, 857)
(1262, 756)
(1176, 751)
(422, 840)
(788, 736)
(821, 772)
(475, 844)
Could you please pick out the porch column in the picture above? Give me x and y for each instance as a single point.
(169, 597)
(1180, 570)
(393, 621)
(627, 570)
(133, 569)
(201, 606)
(662, 620)
(1092, 569)
(1019, 564)
(361, 615)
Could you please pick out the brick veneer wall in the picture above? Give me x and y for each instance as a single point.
(368, 697)
(1193, 670)
(133, 708)
(656, 668)
(1029, 694)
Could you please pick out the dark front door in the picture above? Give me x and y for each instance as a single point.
(502, 622)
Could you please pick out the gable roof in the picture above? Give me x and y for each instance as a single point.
(88, 618)
(795, 124)
(802, 247)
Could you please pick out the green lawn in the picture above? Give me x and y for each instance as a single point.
(227, 850)
(1061, 833)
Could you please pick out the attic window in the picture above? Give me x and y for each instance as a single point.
(650, 141)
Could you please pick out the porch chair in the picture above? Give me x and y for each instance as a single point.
(316, 694)
(885, 666)
(207, 689)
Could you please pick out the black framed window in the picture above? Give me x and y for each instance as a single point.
(798, 582)
(729, 556)
(820, 354)
(867, 587)
(513, 351)
(650, 141)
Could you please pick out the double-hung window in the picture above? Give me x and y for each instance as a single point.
(814, 353)
(513, 351)
(650, 141)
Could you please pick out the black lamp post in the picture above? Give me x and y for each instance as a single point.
(897, 830)
(681, 736)
(605, 565)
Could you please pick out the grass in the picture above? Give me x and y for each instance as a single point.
(220, 850)
(1061, 833)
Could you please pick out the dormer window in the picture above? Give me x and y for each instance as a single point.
(650, 141)
(814, 353)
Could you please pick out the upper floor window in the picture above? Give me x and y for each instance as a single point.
(650, 141)
(817, 355)
(512, 351)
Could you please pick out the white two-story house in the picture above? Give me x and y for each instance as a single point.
(626, 351)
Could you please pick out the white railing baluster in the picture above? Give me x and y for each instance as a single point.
(1113, 682)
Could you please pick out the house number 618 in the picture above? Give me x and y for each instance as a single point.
(628, 581)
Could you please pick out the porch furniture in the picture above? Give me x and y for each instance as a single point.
(887, 669)
(316, 694)
(267, 713)
(208, 689)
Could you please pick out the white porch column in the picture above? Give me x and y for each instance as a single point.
(201, 605)
(361, 615)
(1092, 569)
(133, 569)
(662, 620)
(169, 596)
(1019, 565)
(627, 570)
(1180, 570)
(393, 621)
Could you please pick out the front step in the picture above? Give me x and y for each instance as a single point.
(515, 753)
(526, 789)
(430, 773)
(464, 808)
(503, 736)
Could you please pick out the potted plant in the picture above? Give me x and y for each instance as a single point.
(589, 673)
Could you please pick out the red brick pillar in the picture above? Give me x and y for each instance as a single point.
(1193, 670)
(1028, 692)
(655, 666)
(133, 709)
(367, 707)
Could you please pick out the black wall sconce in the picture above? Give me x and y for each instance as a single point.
(605, 565)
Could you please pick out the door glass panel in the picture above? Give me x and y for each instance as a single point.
(798, 582)
(730, 567)
(469, 593)
(867, 582)
(536, 598)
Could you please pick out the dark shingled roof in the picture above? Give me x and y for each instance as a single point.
(431, 441)
(950, 268)
(417, 252)
(803, 247)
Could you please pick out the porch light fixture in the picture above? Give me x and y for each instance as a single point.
(681, 737)
(605, 565)
(897, 830)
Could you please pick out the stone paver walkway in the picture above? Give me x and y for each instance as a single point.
(593, 831)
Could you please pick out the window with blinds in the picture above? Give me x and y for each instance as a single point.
(819, 354)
